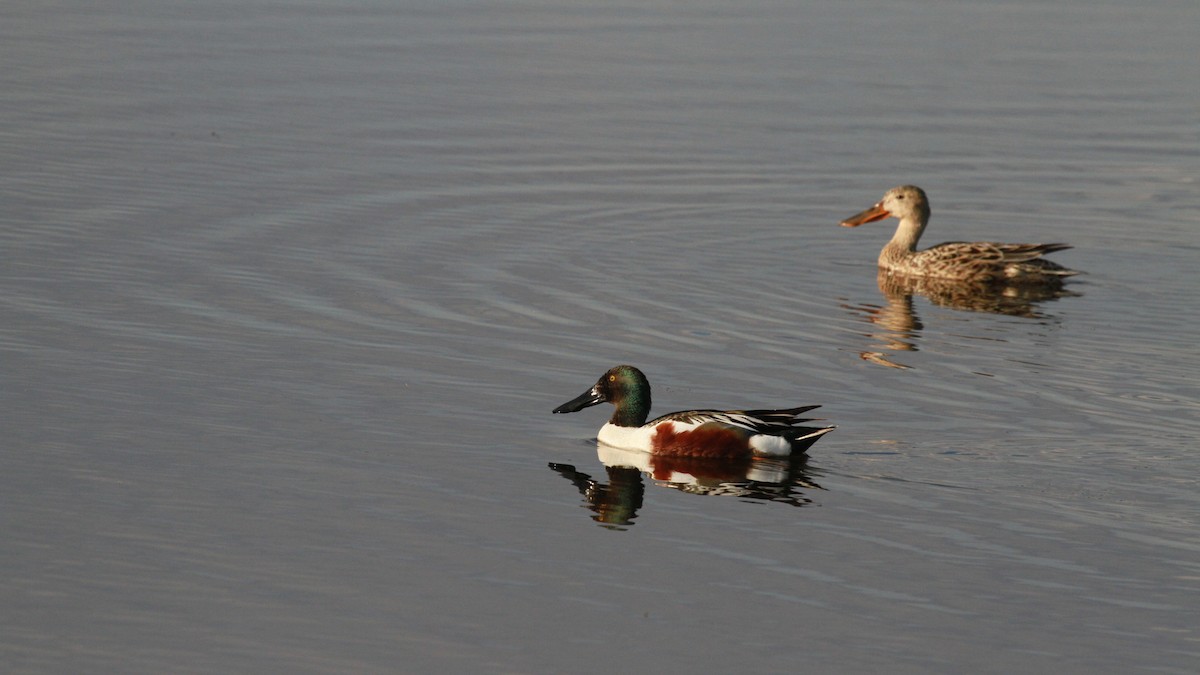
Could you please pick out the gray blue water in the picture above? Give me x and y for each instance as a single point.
(290, 289)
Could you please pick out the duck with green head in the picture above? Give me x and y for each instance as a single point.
(692, 433)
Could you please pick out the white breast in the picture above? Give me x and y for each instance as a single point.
(632, 438)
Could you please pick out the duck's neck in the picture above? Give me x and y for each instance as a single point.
(904, 241)
(632, 410)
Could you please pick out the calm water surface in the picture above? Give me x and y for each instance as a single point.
(290, 289)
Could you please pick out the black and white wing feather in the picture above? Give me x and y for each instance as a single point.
(784, 422)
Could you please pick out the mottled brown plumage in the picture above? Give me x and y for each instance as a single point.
(979, 261)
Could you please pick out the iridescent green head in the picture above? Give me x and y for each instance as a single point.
(623, 386)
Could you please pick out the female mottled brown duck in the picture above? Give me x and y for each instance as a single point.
(977, 261)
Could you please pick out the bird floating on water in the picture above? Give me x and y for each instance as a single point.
(979, 261)
(692, 433)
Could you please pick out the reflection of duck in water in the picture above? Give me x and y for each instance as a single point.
(977, 296)
(901, 327)
(617, 502)
(981, 261)
(692, 433)
(773, 479)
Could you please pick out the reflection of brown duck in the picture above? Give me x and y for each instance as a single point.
(969, 261)
(617, 502)
(902, 328)
(978, 296)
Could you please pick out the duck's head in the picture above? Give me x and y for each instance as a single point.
(906, 202)
(623, 386)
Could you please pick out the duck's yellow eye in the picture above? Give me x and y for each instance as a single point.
(612, 378)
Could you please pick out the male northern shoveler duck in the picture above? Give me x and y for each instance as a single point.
(979, 261)
(692, 433)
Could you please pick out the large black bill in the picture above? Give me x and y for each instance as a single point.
(587, 399)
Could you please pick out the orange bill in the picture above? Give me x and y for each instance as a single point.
(871, 215)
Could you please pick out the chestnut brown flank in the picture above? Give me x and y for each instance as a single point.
(706, 440)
